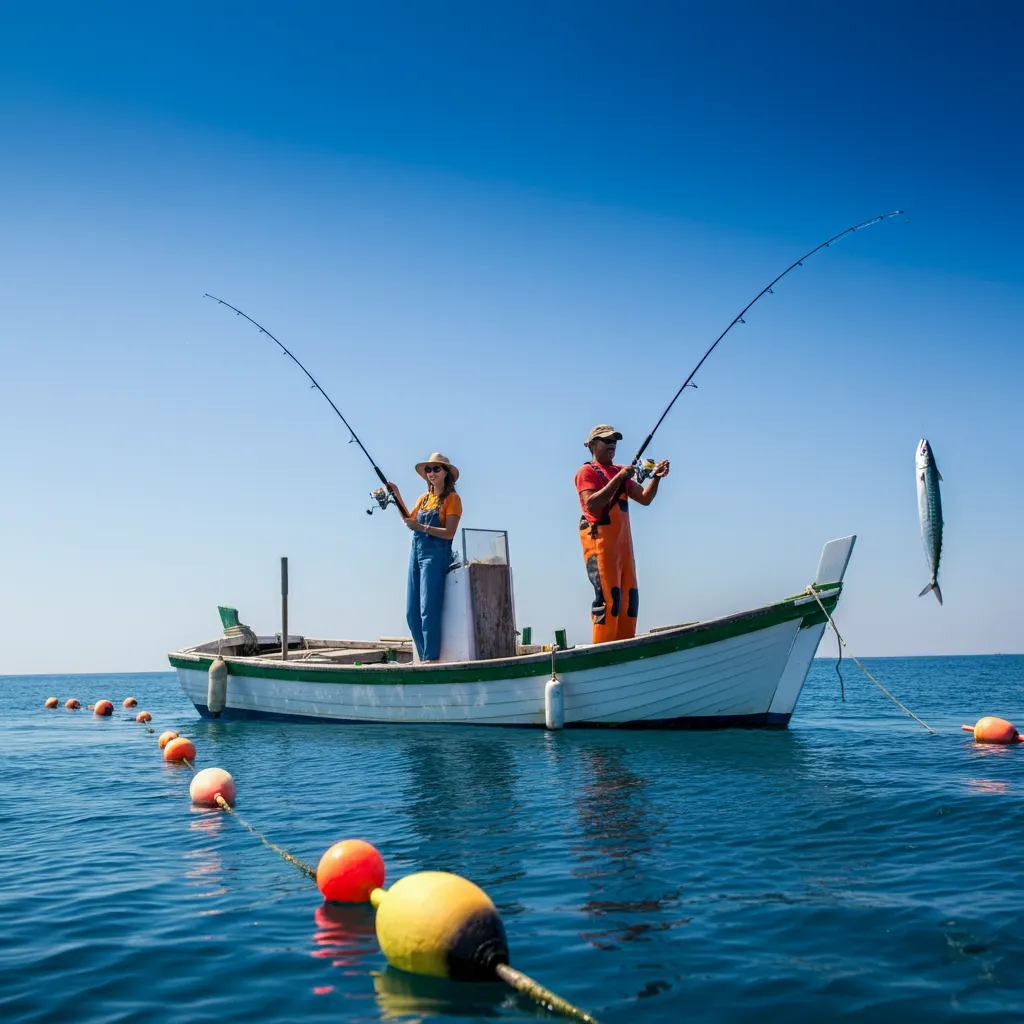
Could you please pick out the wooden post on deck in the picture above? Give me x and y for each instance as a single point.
(284, 608)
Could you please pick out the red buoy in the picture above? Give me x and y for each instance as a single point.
(143, 716)
(52, 702)
(209, 784)
(349, 871)
(993, 730)
(72, 705)
(166, 737)
(103, 707)
(180, 749)
(130, 702)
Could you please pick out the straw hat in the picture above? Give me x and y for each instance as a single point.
(437, 459)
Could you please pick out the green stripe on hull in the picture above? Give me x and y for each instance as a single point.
(573, 660)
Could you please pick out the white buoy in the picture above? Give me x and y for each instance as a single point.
(217, 691)
(554, 702)
(554, 705)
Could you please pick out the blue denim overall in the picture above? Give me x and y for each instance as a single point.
(428, 566)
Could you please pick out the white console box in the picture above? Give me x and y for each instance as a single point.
(457, 627)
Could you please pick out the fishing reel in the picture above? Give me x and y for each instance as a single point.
(383, 497)
(643, 469)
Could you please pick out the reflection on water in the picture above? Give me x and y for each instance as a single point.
(987, 786)
(618, 827)
(345, 935)
(612, 809)
(458, 784)
(412, 998)
(206, 869)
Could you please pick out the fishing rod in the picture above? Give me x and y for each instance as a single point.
(643, 471)
(384, 495)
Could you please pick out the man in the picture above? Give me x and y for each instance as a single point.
(605, 489)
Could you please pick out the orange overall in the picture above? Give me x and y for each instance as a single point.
(608, 554)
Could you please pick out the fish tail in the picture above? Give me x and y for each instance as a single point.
(932, 586)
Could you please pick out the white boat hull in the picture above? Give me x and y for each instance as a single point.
(742, 670)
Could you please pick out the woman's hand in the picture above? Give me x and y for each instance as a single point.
(413, 525)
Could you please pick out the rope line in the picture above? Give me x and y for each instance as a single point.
(814, 594)
(539, 994)
(284, 854)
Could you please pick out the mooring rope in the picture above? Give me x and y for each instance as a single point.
(814, 594)
(290, 857)
(539, 994)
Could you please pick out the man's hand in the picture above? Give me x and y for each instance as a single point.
(661, 469)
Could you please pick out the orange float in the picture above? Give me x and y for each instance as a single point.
(130, 702)
(166, 737)
(993, 730)
(103, 707)
(72, 705)
(143, 716)
(52, 702)
(179, 749)
(209, 784)
(349, 871)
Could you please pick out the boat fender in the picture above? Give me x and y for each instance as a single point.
(217, 690)
(349, 871)
(441, 925)
(554, 704)
(993, 730)
(209, 784)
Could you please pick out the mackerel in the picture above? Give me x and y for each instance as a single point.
(929, 511)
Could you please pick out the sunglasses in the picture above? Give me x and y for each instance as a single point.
(434, 469)
(610, 441)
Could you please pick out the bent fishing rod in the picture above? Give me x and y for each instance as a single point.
(385, 496)
(738, 319)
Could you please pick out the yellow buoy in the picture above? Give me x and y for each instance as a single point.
(441, 925)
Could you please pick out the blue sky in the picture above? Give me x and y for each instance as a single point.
(484, 229)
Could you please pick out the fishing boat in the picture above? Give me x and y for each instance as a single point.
(741, 670)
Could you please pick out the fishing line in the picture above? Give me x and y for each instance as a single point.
(391, 496)
(738, 319)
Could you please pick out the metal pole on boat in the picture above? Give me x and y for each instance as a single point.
(284, 608)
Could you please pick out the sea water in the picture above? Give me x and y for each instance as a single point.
(853, 866)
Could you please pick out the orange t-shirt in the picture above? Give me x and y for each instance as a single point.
(451, 506)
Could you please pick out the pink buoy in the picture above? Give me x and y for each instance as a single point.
(209, 784)
(993, 730)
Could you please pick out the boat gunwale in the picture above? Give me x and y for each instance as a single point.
(574, 659)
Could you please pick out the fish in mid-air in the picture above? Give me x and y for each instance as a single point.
(929, 511)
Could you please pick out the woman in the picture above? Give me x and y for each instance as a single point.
(434, 520)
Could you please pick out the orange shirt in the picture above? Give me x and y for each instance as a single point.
(451, 506)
